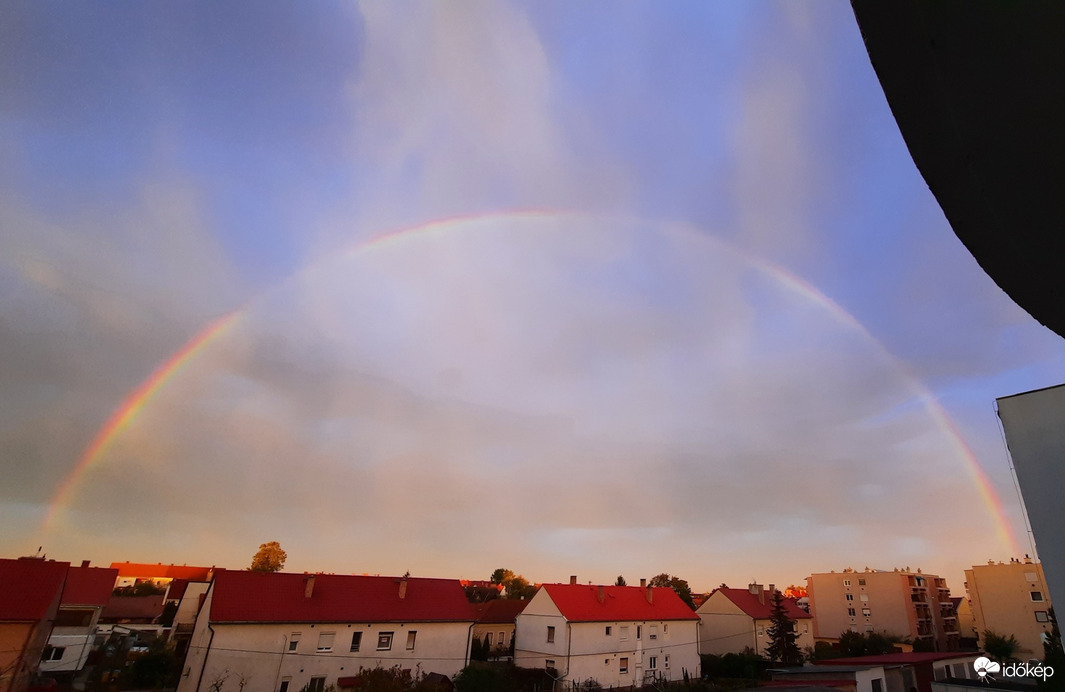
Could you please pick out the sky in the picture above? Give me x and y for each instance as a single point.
(563, 287)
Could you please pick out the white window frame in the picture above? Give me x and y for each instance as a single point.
(550, 634)
(385, 637)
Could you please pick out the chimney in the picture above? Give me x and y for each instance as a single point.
(573, 580)
(772, 590)
(602, 593)
(643, 583)
(403, 587)
(308, 590)
(755, 589)
(650, 594)
(85, 563)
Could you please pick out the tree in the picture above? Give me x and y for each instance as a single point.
(620, 581)
(270, 558)
(782, 647)
(999, 646)
(501, 576)
(516, 586)
(677, 584)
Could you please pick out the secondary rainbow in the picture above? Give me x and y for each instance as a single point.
(135, 402)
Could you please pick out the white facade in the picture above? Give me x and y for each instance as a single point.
(616, 653)
(69, 645)
(285, 657)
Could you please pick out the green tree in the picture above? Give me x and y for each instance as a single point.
(516, 586)
(501, 576)
(852, 644)
(620, 581)
(1000, 647)
(270, 558)
(677, 584)
(781, 632)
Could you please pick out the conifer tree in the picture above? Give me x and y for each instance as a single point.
(782, 647)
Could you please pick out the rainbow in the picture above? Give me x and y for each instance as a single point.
(136, 401)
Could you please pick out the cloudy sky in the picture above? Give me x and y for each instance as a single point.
(672, 295)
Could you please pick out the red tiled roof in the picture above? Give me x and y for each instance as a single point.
(31, 588)
(133, 608)
(499, 610)
(580, 603)
(907, 658)
(89, 586)
(749, 603)
(280, 597)
(160, 571)
(177, 589)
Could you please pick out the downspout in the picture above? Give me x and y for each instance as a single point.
(284, 645)
(207, 655)
(469, 643)
(569, 645)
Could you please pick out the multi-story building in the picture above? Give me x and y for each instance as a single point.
(288, 632)
(30, 592)
(900, 602)
(620, 636)
(734, 620)
(1010, 599)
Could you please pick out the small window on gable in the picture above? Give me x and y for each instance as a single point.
(609, 629)
(550, 634)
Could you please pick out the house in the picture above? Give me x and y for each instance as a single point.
(899, 602)
(285, 632)
(616, 635)
(495, 623)
(86, 593)
(29, 601)
(902, 672)
(734, 620)
(1010, 599)
(189, 597)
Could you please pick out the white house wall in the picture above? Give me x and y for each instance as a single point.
(723, 627)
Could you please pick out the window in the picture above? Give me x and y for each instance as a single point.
(761, 631)
(384, 641)
(877, 685)
(608, 630)
(623, 633)
(667, 661)
(850, 597)
(549, 663)
(1041, 616)
(411, 636)
(73, 618)
(488, 639)
(847, 583)
(868, 628)
(864, 596)
(294, 641)
(866, 612)
(623, 664)
(53, 653)
(284, 684)
(861, 582)
(850, 611)
(356, 640)
(665, 629)
(550, 635)
(325, 642)
(639, 631)
(652, 663)
(316, 684)
(1037, 596)
(1029, 576)
(501, 639)
(652, 632)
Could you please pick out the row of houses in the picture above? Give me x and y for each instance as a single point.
(294, 631)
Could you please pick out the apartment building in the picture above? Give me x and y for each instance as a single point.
(897, 602)
(1010, 598)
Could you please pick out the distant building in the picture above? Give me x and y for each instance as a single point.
(85, 595)
(898, 672)
(899, 602)
(619, 636)
(1010, 598)
(495, 623)
(287, 632)
(734, 620)
(132, 573)
(29, 600)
